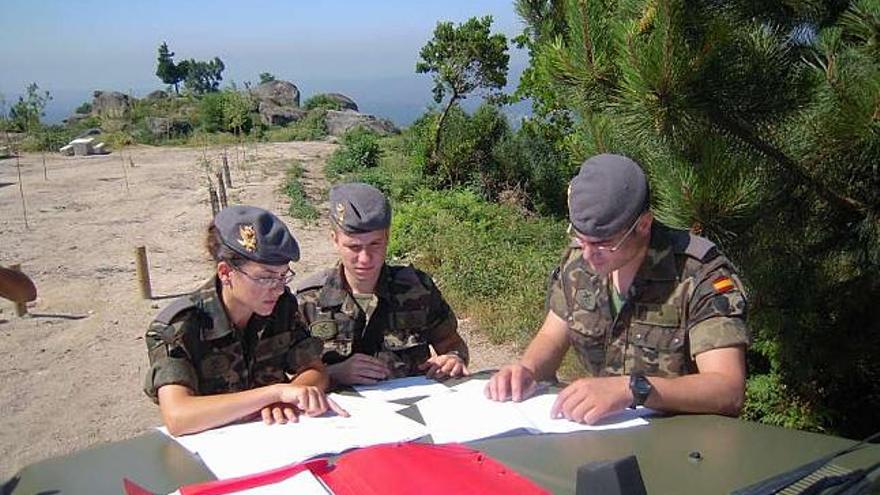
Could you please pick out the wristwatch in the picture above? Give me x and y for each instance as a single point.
(640, 388)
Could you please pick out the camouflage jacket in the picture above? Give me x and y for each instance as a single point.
(685, 299)
(409, 315)
(193, 343)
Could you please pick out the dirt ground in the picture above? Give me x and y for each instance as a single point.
(74, 368)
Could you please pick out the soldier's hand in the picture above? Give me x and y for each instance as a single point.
(359, 369)
(513, 381)
(444, 365)
(588, 400)
(297, 399)
(279, 413)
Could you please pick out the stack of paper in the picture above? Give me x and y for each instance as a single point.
(466, 414)
(241, 449)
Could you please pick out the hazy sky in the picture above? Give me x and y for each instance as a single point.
(73, 47)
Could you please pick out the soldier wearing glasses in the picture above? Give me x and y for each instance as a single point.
(656, 315)
(238, 346)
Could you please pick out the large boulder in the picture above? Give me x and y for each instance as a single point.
(280, 93)
(339, 121)
(111, 104)
(272, 114)
(344, 102)
(156, 95)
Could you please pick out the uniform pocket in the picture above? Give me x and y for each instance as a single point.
(658, 341)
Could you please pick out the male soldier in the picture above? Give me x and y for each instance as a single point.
(376, 320)
(656, 316)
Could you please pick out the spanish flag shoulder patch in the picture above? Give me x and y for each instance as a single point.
(723, 284)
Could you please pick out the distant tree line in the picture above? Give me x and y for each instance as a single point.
(198, 76)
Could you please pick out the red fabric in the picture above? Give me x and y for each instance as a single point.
(425, 469)
(404, 468)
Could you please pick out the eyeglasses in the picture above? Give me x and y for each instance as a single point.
(607, 249)
(269, 282)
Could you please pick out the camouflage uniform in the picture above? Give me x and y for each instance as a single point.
(409, 315)
(193, 343)
(684, 300)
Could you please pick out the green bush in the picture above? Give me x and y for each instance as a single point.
(322, 101)
(85, 108)
(490, 260)
(312, 127)
(48, 138)
(359, 151)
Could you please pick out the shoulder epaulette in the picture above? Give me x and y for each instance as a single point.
(314, 281)
(699, 247)
(181, 304)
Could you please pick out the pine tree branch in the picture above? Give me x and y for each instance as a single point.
(748, 135)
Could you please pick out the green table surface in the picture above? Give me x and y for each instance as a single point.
(733, 453)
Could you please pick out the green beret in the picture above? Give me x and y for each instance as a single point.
(256, 234)
(356, 208)
(607, 195)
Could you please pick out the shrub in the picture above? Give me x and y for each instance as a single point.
(322, 101)
(491, 261)
(359, 151)
(312, 127)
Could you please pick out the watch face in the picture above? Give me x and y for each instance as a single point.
(643, 385)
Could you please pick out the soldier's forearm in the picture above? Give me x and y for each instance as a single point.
(314, 377)
(453, 344)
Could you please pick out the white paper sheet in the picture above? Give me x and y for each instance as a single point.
(402, 388)
(241, 449)
(466, 414)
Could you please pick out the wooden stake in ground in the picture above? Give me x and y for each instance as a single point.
(226, 173)
(221, 188)
(21, 190)
(143, 272)
(20, 306)
(215, 208)
(45, 172)
(124, 172)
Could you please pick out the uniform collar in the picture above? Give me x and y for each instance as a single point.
(212, 304)
(335, 290)
(659, 263)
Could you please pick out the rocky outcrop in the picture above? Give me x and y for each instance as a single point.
(344, 102)
(280, 93)
(111, 104)
(156, 95)
(272, 114)
(339, 121)
(278, 102)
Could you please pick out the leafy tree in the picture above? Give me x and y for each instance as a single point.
(758, 125)
(202, 77)
(266, 77)
(462, 59)
(166, 70)
(25, 114)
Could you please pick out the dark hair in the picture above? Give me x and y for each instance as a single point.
(219, 251)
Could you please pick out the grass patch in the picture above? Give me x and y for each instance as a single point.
(492, 262)
(300, 206)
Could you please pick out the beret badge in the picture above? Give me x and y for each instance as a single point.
(248, 238)
(340, 213)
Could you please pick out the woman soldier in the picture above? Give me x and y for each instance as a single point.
(228, 350)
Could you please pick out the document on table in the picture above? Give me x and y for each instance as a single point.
(241, 449)
(402, 388)
(302, 483)
(466, 414)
